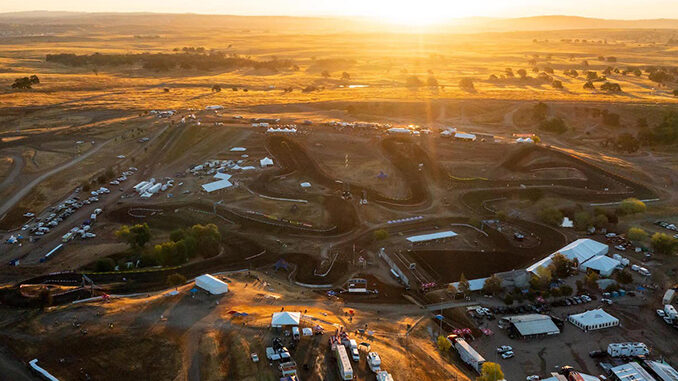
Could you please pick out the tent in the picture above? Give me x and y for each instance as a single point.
(580, 250)
(305, 184)
(601, 264)
(211, 284)
(280, 319)
(281, 264)
(266, 162)
(593, 319)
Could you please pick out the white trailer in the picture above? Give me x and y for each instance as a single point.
(155, 188)
(343, 363)
(627, 349)
(468, 354)
(668, 296)
(140, 185)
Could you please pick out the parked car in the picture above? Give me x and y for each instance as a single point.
(507, 355)
(504, 348)
(255, 357)
(661, 313)
(533, 377)
(606, 301)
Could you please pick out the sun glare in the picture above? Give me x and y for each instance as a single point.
(415, 13)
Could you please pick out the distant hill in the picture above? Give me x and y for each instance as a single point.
(327, 24)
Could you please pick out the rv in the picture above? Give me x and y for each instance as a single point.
(627, 349)
(467, 353)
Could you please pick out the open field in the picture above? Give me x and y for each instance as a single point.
(126, 137)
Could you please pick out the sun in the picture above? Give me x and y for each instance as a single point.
(414, 13)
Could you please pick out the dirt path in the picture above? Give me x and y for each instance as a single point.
(17, 166)
(21, 193)
(13, 369)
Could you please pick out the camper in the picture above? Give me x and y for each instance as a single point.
(295, 333)
(343, 363)
(384, 376)
(627, 349)
(374, 361)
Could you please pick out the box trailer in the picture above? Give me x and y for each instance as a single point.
(343, 363)
(467, 353)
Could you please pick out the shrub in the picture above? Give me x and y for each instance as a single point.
(104, 265)
(380, 234)
(176, 279)
(631, 206)
(556, 125)
(663, 243)
(551, 216)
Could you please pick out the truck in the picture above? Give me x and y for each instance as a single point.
(467, 353)
(352, 347)
(295, 333)
(374, 362)
(670, 311)
(343, 363)
(627, 349)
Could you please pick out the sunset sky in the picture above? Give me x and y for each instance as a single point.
(420, 11)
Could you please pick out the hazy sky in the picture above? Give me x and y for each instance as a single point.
(418, 11)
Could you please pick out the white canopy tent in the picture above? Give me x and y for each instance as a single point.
(211, 284)
(280, 319)
(593, 319)
(601, 264)
(266, 162)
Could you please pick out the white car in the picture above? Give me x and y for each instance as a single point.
(29, 214)
(606, 301)
(661, 313)
(255, 357)
(533, 377)
(620, 248)
(507, 355)
(115, 182)
(668, 320)
(504, 348)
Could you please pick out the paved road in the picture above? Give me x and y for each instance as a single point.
(16, 197)
(446, 305)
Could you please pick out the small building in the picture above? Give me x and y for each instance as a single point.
(211, 284)
(532, 325)
(630, 372)
(431, 236)
(281, 319)
(662, 371)
(593, 319)
(266, 162)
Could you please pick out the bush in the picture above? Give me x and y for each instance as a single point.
(136, 236)
(636, 234)
(611, 87)
(176, 279)
(663, 243)
(556, 125)
(551, 216)
(624, 277)
(631, 206)
(444, 345)
(104, 265)
(380, 234)
(467, 84)
(508, 300)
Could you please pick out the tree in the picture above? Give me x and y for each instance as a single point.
(628, 143)
(591, 280)
(666, 132)
(663, 243)
(522, 73)
(556, 125)
(25, 83)
(431, 81)
(325, 74)
(444, 345)
(380, 234)
(136, 236)
(104, 265)
(542, 279)
(490, 371)
(566, 290)
(631, 206)
(451, 289)
(176, 279)
(551, 216)
(345, 76)
(508, 300)
(492, 285)
(561, 265)
(540, 111)
(624, 277)
(467, 84)
(207, 239)
(177, 235)
(589, 86)
(464, 286)
(600, 221)
(556, 84)
(216, 88)
(582, 220)
(591, 75)
(611, 87)
(636, 234)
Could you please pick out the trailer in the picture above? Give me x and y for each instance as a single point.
(467, 353)
(343, 363)
(155, 188)
(288, 368)
(668, 296)
(670, 311)
(627, 349)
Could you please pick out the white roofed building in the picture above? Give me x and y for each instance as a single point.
(580, 251)
(593, 319)
(662, 371)
(266, 162)
(211, 284)
(533, 325)
(631, 372)
(601, 264)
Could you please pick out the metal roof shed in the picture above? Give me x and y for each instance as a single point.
(211, 284)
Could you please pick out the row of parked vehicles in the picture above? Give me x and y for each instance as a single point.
(123, 177)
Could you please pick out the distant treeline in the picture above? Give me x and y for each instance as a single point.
(164, 61)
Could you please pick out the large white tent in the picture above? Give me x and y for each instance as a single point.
(601, 264)
(533, 325)
(211, 284)
(219, 184)
(580, 250)
(280, 319)
(593, 319)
